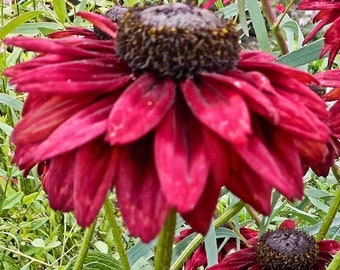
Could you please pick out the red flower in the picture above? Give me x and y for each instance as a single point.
(199, 257)
(284, 249)
(329, 14)
(166, 126)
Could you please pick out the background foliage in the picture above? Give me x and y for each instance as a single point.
(32, 236)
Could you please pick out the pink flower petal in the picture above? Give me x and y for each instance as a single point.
(141, 201)
(139, 109)
(93, 178)
(181, 158)
(224, 112)
(58, 180)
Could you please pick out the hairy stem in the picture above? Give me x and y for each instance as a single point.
(333, 209)
(84, 247)
(165, 243)
(276, 30)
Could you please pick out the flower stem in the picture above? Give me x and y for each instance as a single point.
(335, 264)
(276, 30)
(164, 244)
(117, 234)
(84, 247)
(199, 238)
(333, 209)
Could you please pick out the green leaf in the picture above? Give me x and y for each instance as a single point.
(60, 9)
(304, 55)
(16, 22)
(101, 246)
(140, 250)
(228, 11)
(12, 200)
(32, 29)
(38, 242)
(211, 246)
(10, 101)
(242, 15)
(142, 264)
(53, 244)
(258, 24)
(6, 128)
(98, 261)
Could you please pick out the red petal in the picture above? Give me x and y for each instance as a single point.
(267, 166)
(141, 201)
(181, 160)
(242, 259)
(100, 21)
(58, 180)
(94, 173)
(224, 112)
(43, 45)
(201, 216)
(139, 109)
(329, 246)
(287, 224)
(82, 127)
(253, 86)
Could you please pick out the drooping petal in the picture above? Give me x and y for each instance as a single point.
(260, 159)
(181, 159)
(139, 109)
(224, 112)
(141, 201)
(82, 127)
(58, 181)
(200, 217)
(252, 86)
(93, 177)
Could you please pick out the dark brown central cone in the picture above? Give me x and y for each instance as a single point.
(176, 41)
(286, 250)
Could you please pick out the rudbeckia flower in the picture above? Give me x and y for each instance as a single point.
(199, 257)
(167, 111)
(329, 13)
(286, 248)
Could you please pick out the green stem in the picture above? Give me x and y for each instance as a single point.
(117, 234)
(164, 244)
(84, 247)
(276, 30)
(335, 264)
(226, 216)
(333, 209)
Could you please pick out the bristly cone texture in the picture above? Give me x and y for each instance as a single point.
(98, 119)
(176, 41)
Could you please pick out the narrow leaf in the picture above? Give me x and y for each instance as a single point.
(16, 22)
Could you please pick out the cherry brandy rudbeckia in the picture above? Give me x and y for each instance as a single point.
(167, 112)
(283, 249)
(329, 14)
(199, 257)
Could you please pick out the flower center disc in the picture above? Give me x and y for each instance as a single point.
(176, 41)
(286, 250)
